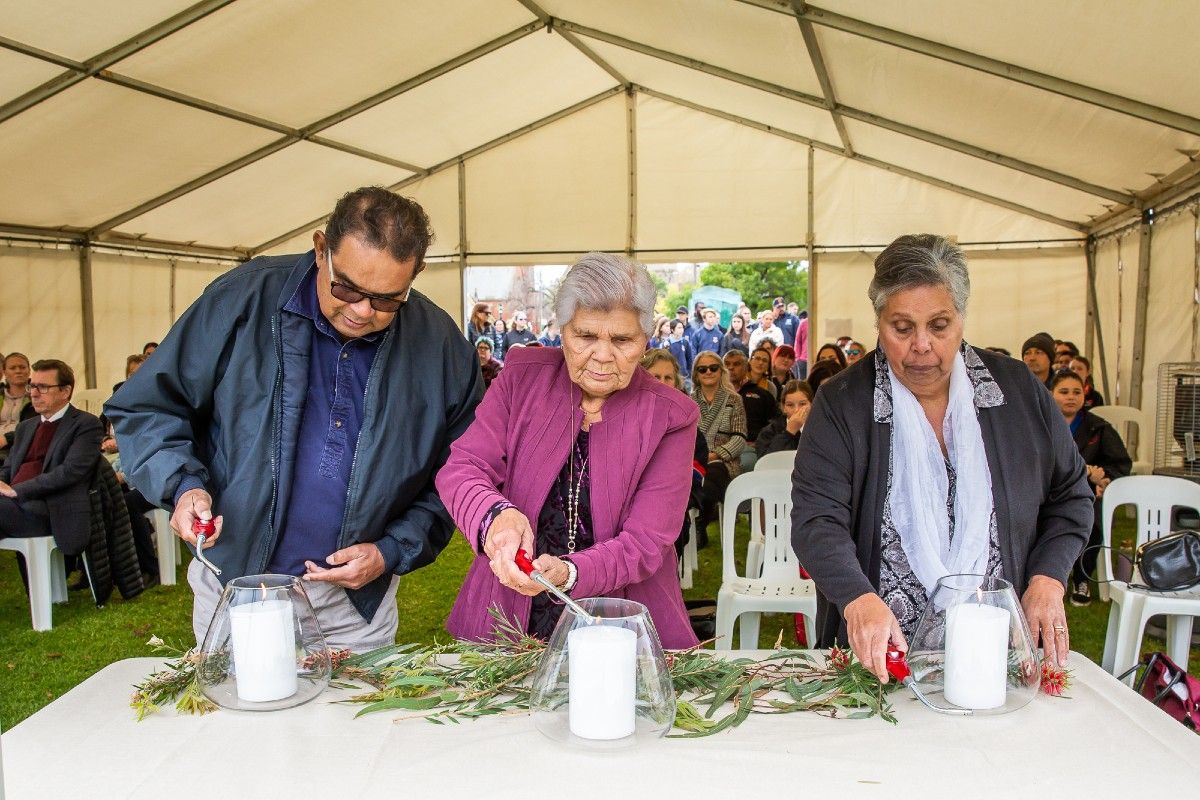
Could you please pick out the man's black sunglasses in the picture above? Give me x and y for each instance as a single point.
(388, 305)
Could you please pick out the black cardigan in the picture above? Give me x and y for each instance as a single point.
(1040, 492)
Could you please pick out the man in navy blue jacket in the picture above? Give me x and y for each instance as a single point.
(309, 401)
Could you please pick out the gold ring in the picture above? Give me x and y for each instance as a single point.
(1060, 628)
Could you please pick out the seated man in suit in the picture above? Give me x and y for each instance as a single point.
(44, 483)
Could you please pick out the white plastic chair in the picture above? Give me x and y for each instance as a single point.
(47, 576)
(1155, 496)
(167, 545)
(785, 459)
(90, 400)
(690, 560)
(1120, 417)
(779, 588)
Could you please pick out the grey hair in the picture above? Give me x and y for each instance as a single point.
(606, 282)
(920, 260)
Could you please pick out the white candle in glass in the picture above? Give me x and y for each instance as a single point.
(264, 649)
(976, 668)
(602, 660)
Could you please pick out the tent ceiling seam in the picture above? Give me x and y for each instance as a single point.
(853, 113)
(874, 162)
(1000, 69)
(475, 151)
(78, 71)
(293, 135)
(548, 21)
(819, 66)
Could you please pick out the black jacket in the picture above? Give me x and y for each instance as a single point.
(775, 438)
(1040, 492)
(1101, 446)
(111, 555)
(66, 474)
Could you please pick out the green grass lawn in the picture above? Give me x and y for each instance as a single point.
(35, 668)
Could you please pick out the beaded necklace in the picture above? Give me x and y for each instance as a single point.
(574, 489)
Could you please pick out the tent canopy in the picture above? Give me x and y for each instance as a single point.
(674, 127)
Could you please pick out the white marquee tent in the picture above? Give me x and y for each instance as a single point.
(148, 145)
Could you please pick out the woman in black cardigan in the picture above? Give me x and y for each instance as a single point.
(1106, 457)
(855, 518)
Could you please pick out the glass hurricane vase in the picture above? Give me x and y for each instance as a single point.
(264, 649)
(972, 648)
(603, 682)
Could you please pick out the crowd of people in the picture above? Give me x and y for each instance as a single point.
(666, 410)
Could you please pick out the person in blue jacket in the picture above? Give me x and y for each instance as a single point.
(680, 347)
(709, 336)
(305, 404)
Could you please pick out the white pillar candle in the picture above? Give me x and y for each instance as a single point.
(976, 668)
(602, 660)
(264, 650)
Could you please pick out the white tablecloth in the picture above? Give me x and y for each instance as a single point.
(1106, 742)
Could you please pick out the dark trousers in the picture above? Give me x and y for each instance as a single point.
(1085, 565)
(143, 532)
(22, 520)
(716, 481)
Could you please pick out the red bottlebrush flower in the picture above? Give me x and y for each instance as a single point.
(1055, 680)
(839, 659)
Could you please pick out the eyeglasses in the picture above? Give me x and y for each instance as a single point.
(855, 352)
(708, 368)
(388, 305)
(42, 387)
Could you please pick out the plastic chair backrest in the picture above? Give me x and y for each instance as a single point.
(90, 400)
(1120, 417)
(784, 459)
(1155, 497)
(773, 488)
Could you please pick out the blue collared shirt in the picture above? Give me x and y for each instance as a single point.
(331, 418)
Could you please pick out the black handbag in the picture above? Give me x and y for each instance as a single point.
(1170, 563)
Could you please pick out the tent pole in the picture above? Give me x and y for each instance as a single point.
(1138, 367)
(631, 129)
(810, 240)
(89, 314)
(462, 231)
(174, 268)
(1094, 326)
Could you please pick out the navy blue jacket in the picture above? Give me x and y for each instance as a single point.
(682, 350)
(704, 339)
(208, 404)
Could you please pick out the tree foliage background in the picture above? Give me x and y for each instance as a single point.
(758, 282)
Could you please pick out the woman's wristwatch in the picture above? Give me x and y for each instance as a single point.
(572, 575)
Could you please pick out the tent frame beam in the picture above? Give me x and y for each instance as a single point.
(292, 135)
(991, 66)
(77, 71)
(119, 241)
(87, 301)
(819, 66)
(475, 151)
(1096, 328)
(874, 162)
(1044, 173)
(548, 21)
(1141, 307)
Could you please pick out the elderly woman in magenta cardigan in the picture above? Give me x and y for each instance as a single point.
(582, 459)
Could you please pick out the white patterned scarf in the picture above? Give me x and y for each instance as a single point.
(920, 483)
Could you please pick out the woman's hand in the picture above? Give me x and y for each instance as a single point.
(1043, 604)
(1095, 474)
(871, 625)
(509, 533)
(553, 568)
(795, 422)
